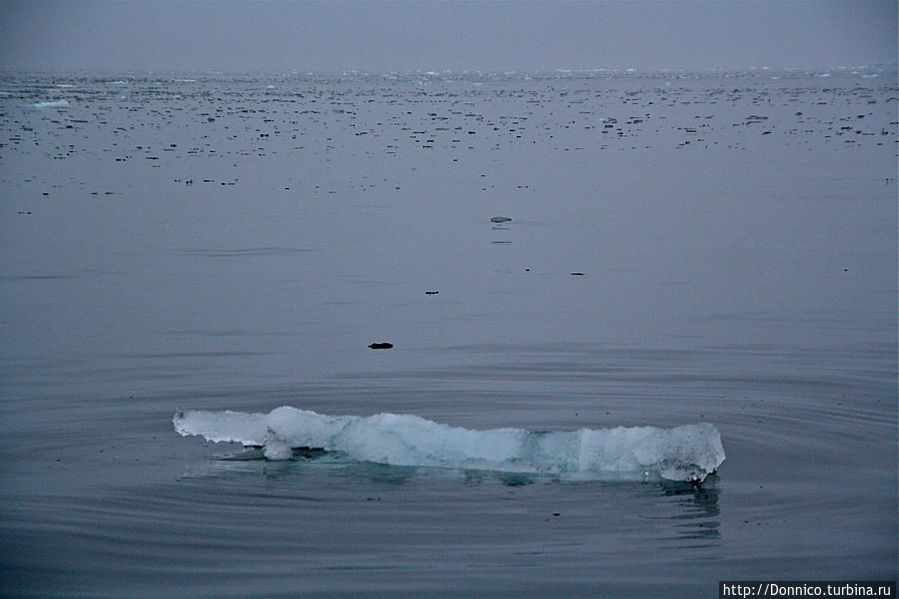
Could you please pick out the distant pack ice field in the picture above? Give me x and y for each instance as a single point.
(454, 333)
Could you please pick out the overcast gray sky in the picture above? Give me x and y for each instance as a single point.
(367, 36)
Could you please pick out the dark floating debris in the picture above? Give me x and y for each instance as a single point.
(499, 219)
(431, 292)
(577, 274)
(382, 345)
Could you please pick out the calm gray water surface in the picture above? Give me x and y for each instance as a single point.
(236, 242)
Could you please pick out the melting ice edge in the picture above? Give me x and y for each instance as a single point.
(683, 453)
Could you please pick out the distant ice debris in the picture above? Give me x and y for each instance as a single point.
(684, 453)
(52, 104)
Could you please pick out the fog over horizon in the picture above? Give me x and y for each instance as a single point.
(436, 36)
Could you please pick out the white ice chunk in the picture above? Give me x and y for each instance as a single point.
(52, 104)
(683, 453)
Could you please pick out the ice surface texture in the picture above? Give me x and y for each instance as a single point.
(684, 453)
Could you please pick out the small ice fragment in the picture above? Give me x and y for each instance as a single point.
(277, 450)
(52, 104)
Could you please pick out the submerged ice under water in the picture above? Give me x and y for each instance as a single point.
(684, 453)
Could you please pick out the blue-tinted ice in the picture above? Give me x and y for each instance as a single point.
(683, 453)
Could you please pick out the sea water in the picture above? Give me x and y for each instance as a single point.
(712, 250)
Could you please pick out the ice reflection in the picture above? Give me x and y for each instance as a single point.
(699, 514)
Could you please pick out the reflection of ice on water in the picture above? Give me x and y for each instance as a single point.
(699, 517)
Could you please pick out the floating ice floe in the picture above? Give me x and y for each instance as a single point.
(52, 104)
(684, 453)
